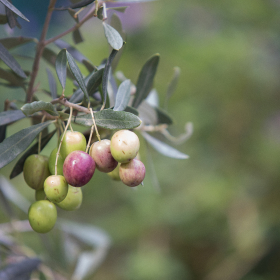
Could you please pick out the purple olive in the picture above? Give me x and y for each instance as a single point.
(101, 153)
(78, 168)
(132, 173)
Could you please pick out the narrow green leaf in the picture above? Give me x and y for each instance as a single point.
(78, 94)
(12, 18)
(106, 75)
(131, 110)
(72, 14)
(94, 81)
(12, 194)
(9, 60)
(3, 129)
(123, 96)
(77, 36)
(153, 98)
(31, 108)
(89, 260)
(163, 117)
(100, 13)
(110, 119)
(133, 1)
(147, 113)
(173, 84)
(145, 80)
(18, 168)
(7, 117)
(52, 84)
(163, 148)
(152, 115)
(113, 37)
(73, 51)
(5, 203)
(50, 57)
(121, 9)
(90, 67)
(77, 73)
(77, 5)
(117, 24)
(12, 146)
(13, 8)
(12, 78)
(12, 42)
(3, 19)
(61, 67)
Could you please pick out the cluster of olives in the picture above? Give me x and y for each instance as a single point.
(57, 179)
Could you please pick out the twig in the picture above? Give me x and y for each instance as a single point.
(89, 15)
(40, 47)
(66, 103)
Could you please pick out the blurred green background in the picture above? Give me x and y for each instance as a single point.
(217, 215)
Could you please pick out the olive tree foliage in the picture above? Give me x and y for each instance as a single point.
(132, 106)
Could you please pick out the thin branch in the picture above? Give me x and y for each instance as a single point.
(89, 15)
(66, 103)
(39, 52)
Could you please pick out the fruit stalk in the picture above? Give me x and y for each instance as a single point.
(40, 136)
(97, 134)
(91, 131)
(58, 150)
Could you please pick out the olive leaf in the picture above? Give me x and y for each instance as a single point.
(61, 67)
(73, 51)
(12, 42)
(131, 110)
(113, 37)
(9, 5)
(77, 5)
(106, 75)
(116, 23)
(163, 117)
(77, 36)
(121, 9)
(77, 73)
(12, 146)
(50, 57)
(172, 85)
(9, 60)
(94, 81)
(123, 96)
(78, 94)
(3, 19)
(163, 148)
(110, 119)
(18, 168)
(52, 84)
(7, 117)
(145, 80)
(36, 106)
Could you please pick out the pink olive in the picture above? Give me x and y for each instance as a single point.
(78, 168)
(132, 173)
(101, 153)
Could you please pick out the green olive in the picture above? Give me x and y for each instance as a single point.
(42, 216)
(35, 171)
(56, 188)
(73, 200)
(60, 162)
(72, 141)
